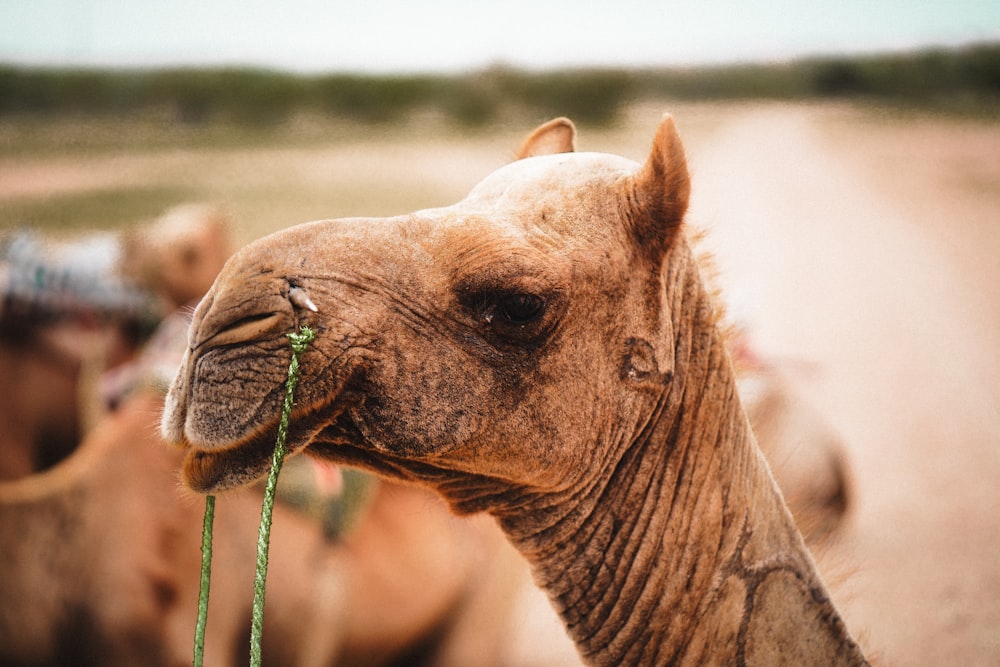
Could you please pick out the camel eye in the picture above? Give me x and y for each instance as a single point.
(517, 312)
(520, 308)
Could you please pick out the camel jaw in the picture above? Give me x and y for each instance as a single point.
(211, 466)
(230, 441)
(242, 463)
(209, 471)
(225, 402)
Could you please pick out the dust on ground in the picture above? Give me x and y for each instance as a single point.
(864, 250)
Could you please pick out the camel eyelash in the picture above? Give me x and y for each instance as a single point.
(518, 309)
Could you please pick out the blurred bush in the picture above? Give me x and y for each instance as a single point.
(968, 79)
(961, 80)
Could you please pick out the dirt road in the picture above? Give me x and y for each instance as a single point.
(867, 256)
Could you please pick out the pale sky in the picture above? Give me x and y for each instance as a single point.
(455, 35)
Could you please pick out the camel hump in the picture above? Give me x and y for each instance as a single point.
(662, 189)
(556, 136)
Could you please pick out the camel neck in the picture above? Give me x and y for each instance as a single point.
(683, 552)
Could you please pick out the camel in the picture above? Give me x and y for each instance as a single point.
(805, 454)
(176, 259)
(545, 351)
(65, 353)
(64, 318)
(178, 255)
(100, 549)
(100, 557)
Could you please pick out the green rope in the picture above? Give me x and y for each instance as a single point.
(206, 575)
(299, 342)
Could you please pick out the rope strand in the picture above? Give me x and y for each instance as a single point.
(206, 575)
(299, 342)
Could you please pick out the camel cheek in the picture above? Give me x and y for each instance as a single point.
(426, 396)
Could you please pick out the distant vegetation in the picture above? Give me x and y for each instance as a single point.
(965, 80)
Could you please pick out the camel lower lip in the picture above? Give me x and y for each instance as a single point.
(215, 469)
(210, 468)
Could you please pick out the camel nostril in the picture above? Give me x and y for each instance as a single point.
(300, 298)
(245, 329)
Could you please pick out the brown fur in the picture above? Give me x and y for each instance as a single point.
(544, 351)
(805, 454)
(100, 557)
(40, 413)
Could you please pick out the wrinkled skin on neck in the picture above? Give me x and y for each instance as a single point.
(544, 351)
(683, 553)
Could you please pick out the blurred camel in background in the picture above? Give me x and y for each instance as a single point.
(101, 558)
(72, 310)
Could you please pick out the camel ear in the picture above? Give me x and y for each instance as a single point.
(556, 136)
(662, 189)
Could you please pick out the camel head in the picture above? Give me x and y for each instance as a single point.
(179, 255)
(512, 343)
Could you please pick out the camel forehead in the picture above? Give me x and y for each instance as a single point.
(552, 195)
(551, 177)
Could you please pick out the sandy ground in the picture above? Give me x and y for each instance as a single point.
(862, 250)
(868, 258)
